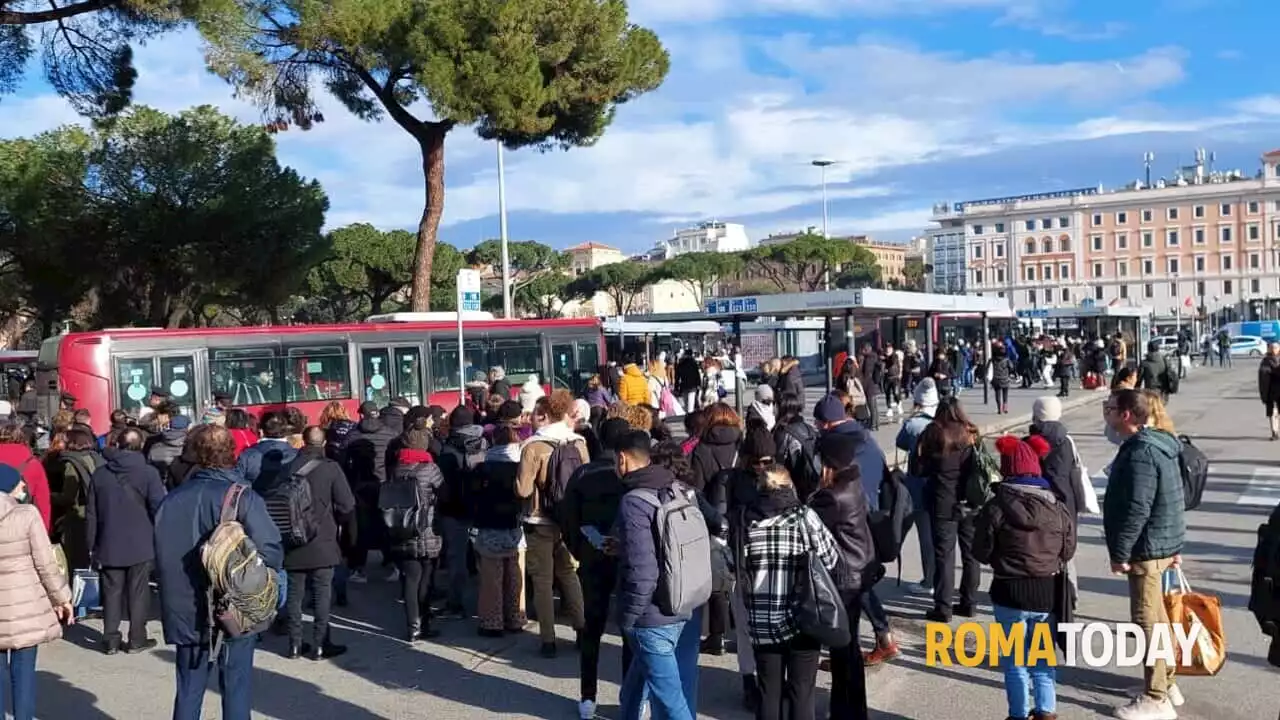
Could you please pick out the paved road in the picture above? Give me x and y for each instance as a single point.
(462, 676)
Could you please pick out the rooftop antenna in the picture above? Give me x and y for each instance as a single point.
(1147, 159)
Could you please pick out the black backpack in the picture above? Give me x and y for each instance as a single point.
(290, 506)
(889, 522)
(801, 457)
(404, 514)
(1194, 465)
(566, 458)
(1264, 591)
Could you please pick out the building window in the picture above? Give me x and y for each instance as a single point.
(1031, 274)
(1148, 267)
(1147, 215)
(1197, 211)
(1225, 210)
(1175, 265)
(1048, 295)
(1226, 234)
(1173, 290)
(1047, 245)
(999, 248)
(1122, 218)
(1199, 263)
(1031, 247)
(1064, 222)
(977, 252)
(1254, 286)
(1064, 244)
(999, 227)
(1148, 290)
(1200, 288)
(1000, 294)
(1171, 238)
(977, 229)
(1031, 224)
(1064, 271)
(1124, 291)
(1199, 236)
(1254, 261)
(977, 277)
(1046, 223)
(1097, 292)
(1227, 263)
(1172, 213)
(1097, 243)
(1255, 232)
(1066, 295)
(1253, 207)
(1097, 269)
(1227, 287)
(1148, 239)
(1097, 219)
(1031, 296)
(1122, 269)
(1046, 272)
(1000, 275)
(1122, 241)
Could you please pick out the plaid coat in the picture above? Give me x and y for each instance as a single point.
(773, 551)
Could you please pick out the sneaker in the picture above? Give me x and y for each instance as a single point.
(882, 653)
(1145, 708)
(918, 589)
(1175, 696)
(587, 709)
(146, 645)
(358, 577)
(394, 575)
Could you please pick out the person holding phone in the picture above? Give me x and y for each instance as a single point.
(37, 599)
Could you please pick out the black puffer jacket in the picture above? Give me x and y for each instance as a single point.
(1024, 532)
(464, 446)
(429, 479)
(718, 450)
(843, 509)
(364, 455)
(1269, 379)
(1152, 371)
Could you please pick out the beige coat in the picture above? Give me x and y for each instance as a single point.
(31, 583)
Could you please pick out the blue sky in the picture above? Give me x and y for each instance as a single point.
(920, 101)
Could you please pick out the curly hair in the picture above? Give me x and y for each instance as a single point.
(213, 447)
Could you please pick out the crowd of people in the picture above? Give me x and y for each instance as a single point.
(585, 498)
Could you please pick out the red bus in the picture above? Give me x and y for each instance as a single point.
(410, 355)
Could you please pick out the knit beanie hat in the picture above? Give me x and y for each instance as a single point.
(9, 478)
(926, 394)
(1021, 458)
(1046, 409)
(759, 443)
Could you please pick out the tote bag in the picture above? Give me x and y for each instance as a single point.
(1187, 608)
(816, 603)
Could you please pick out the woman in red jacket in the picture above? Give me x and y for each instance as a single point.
(15, 453)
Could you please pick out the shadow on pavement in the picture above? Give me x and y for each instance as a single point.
(57, 698)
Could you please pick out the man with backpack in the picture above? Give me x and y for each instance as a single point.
(309, 503)
(664, 575)
(547, 461)
(214, 516)
(461, 456)
(363, 456)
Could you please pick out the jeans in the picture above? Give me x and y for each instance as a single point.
(924, 528)
(18, 677)
(874, 609)
(457, 544)
(848, 678)
(549, 561)
(687, 649)
(1146, 609)
(1022, 682)
(126, 591)
(654, 671)
(320, 582)
(787, 674)
(598, 578)
(945, 535)
(1002, 395)
(235, 678)
(1064, 385)
(415, 589)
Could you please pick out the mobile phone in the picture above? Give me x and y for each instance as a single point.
(593, 536)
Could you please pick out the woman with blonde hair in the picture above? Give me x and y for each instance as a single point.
(1159, 419)
(657, 382)
(336, 422)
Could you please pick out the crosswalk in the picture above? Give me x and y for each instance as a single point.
(1262, 490)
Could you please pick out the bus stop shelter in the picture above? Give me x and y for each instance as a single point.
(1095, 320)
(851, 305)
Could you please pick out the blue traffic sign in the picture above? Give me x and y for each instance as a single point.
(470, 301)
(750, 304)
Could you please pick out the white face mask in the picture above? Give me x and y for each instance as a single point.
(21, 496)
(1114, 435)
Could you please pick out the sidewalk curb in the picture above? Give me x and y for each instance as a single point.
(1005, 424)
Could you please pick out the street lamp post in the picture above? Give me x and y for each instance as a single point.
(507, 310)
(822, 165)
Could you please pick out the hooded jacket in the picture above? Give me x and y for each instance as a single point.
(261, 464)
(244, 439)
(1027, 536)
(69, 482)
(638, 555)
(1058, 465)
(334, 437)
(186, 518)
(123, 498)
(462, 442)
(364, 456)
(30, 581)
(790, 380)
(1269, 379)
(717, 450)
(633, 388)
(1142, 512)
(843, 510)
(164, 448)
(1151, 373)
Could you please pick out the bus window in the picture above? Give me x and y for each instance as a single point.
(375, 364)
(177, 375)
(317, 373)
(409, 374)
(134, 378)
(518, 358)
(248, 375)
(444, 362)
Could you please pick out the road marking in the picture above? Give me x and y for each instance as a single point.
(1263, 489)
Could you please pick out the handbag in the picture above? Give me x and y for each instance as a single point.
(1188, 608)
(815, 601)
(1083, 482)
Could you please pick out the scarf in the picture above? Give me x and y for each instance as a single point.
(765, 412)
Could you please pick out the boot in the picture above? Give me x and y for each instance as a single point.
(886, 649)
(1037, 715)
(713, 645)
(326, 651)
(411, 635)
(296, 650)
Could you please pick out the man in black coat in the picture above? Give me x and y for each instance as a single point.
(310, 566)
(124, 497)
(364, 458)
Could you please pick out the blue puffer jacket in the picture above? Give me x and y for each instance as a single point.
(185, 520)
(261, 464)
(638, 569)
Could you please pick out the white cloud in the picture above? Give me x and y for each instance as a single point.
(893, 222)
(672, 11)
(1266, 105)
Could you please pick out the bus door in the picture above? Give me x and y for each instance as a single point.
(391, 371)
(573, 362)
(177, 373)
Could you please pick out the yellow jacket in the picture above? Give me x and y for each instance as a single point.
(633, 388)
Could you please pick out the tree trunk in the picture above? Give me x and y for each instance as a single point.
(432, 144)
(12, 330)
(177, 313)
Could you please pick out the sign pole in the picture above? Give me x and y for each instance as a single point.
(468, 285)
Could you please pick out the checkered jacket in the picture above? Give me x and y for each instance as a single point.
(774, 551)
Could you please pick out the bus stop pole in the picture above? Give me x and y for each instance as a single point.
(740, 375)
(828, 357)
(986, 358)
(928, 338)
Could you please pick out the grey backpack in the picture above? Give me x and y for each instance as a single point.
(684, 550)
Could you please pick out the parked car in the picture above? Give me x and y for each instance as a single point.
(1168, 343)
(1248, 346)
